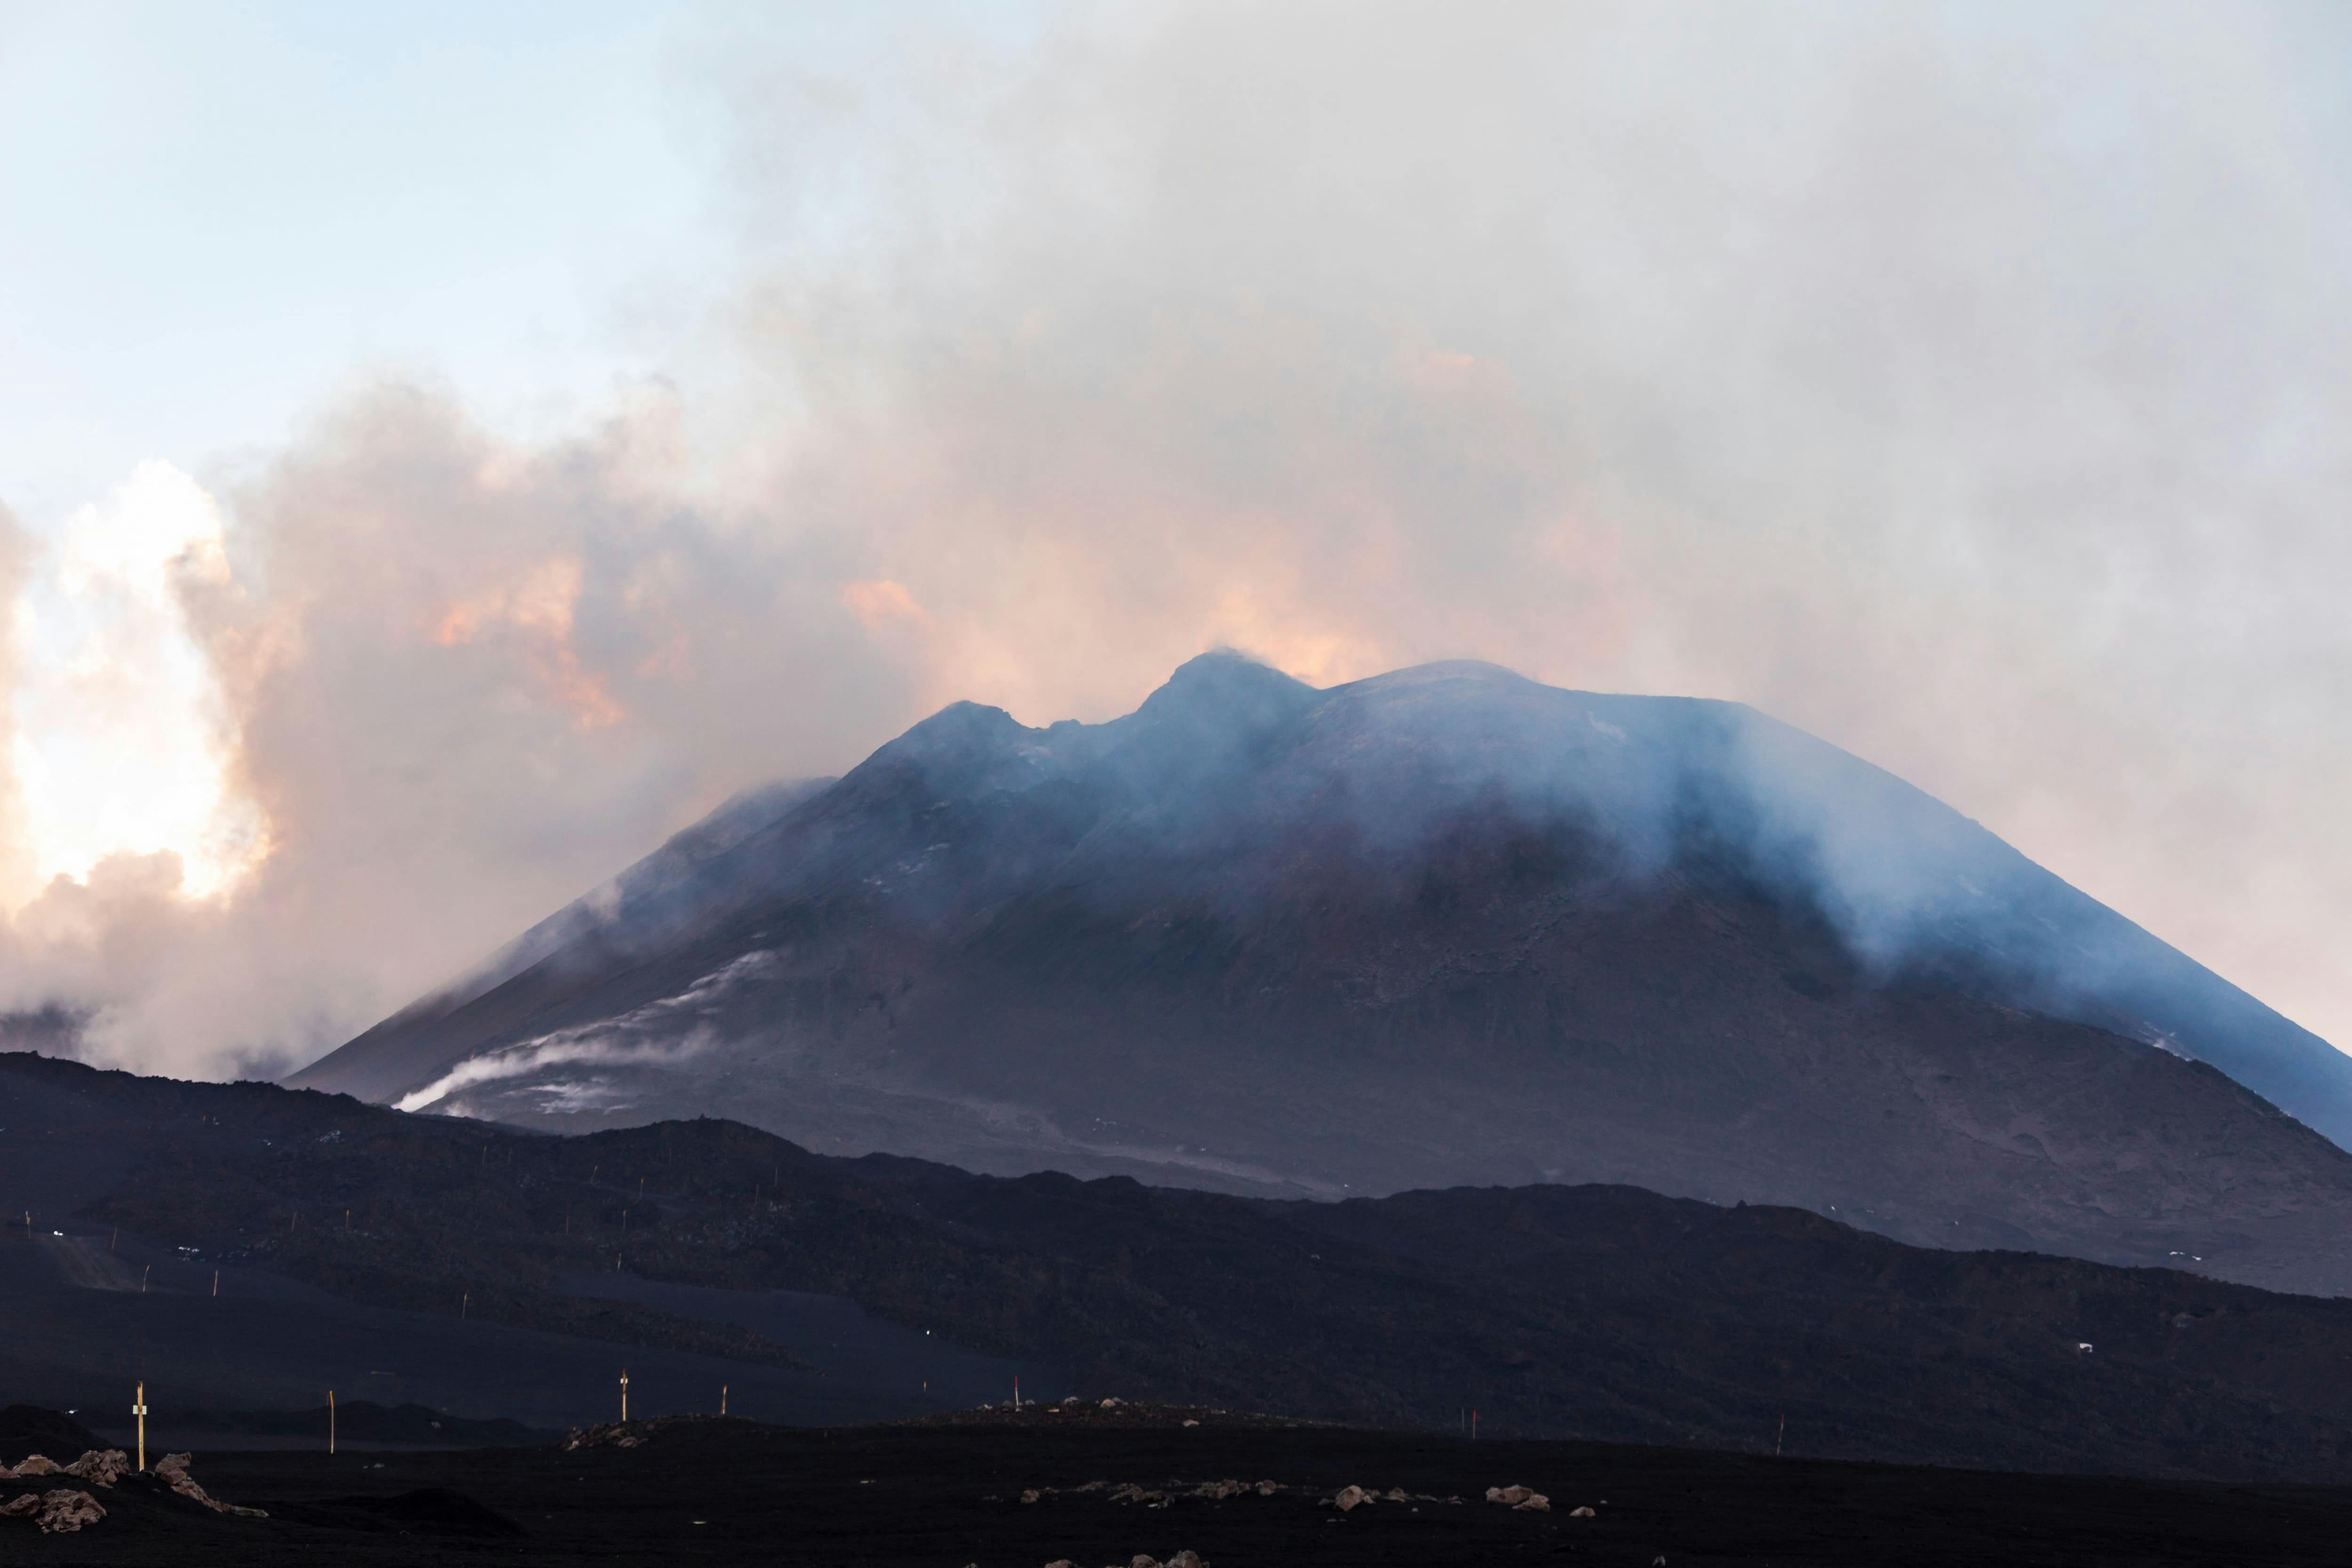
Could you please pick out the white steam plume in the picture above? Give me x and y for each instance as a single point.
(1971, 387)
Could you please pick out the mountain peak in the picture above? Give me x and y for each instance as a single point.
(1224, 678)
(1444, 926)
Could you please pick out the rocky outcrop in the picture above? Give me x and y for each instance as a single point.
(64, 1511)
(60, 1512)
(173, 1469)
(102, 1466)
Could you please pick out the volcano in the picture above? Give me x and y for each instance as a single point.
(1443, 926)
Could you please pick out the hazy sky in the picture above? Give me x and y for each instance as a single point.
(450, 447)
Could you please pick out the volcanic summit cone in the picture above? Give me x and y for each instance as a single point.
(1442, 927)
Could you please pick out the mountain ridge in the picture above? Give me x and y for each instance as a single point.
(1594, 1311)
(1440, 926)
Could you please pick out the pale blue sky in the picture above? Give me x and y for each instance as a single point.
(210, 216)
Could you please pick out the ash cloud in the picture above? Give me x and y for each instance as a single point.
(1969, 389)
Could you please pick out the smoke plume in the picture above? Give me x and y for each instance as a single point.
(1969, 388)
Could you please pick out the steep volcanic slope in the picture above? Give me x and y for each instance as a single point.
(1445, 926)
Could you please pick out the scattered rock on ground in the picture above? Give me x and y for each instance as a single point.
(64, 1511)
(102, 1467)
(174, 1469)
(1581, 1511)
(1521, 1497)
(1346, 1498)
(611, 1435)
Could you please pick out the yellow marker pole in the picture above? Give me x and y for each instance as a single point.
(139, 1408)
(331, 1420)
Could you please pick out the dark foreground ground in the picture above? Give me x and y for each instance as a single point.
(950, 1493)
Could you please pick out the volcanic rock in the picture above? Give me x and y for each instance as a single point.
(64, 1511)
(1444, 927)
(174, 1470)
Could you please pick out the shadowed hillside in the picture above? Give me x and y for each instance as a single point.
(1590, 1311)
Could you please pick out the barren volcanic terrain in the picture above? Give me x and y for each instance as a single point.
(1443, 926)
(1089, 1486)
(493, 1274)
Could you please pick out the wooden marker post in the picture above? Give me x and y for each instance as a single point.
(331, 1420)
(625, 1397)
(722, 1399)
(142, 1277)
(139, 1408)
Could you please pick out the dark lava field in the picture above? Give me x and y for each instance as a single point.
(494, 1274)
(1747, 1385)
(1089, 1486)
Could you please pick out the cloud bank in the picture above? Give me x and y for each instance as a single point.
(1972, 389)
